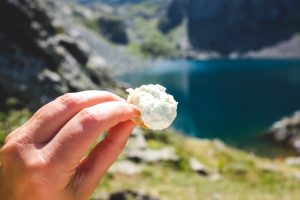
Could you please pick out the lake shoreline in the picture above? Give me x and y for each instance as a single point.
(226, 86)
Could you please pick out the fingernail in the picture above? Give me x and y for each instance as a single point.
(136, 112)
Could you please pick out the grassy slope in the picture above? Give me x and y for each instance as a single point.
(144, 34)
(142, 27)
(245, 176)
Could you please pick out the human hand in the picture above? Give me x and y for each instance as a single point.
(44, 158)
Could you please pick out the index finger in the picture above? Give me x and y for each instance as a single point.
(76, 137)
(49, 119)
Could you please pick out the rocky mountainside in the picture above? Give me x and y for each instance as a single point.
(43, 53)
(237, 25)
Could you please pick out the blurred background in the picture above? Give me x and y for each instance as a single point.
(233, 66)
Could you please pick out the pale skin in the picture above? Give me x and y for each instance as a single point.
(44, 159)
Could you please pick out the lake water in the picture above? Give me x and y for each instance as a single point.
(234, 100)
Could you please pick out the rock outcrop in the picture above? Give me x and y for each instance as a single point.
(175, 14)
(113, 29)
(237, 25)
(128, 195)
(287, 131)
(39, 58)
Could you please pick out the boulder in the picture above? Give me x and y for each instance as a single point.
(268, 167)
(125, 167)
(198, 167)
(286, 131)
(130, 195)
(215, 177)
(293, 161)
(100, 196)
(166, 154)
(136, 141)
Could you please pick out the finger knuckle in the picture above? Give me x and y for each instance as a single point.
(10, 156)
(10, 150)
(70, 100)
(87, 116)
(19, 154)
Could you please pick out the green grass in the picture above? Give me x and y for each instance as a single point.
(92, 25)
(146, 40)
(243, 174)
(11, 117)
(147, 9)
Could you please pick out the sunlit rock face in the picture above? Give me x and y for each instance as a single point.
(158, 109)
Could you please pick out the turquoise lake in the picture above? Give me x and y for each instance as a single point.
(233, 100)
